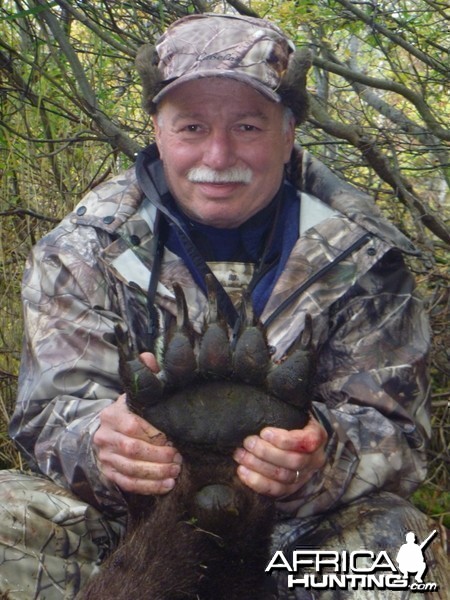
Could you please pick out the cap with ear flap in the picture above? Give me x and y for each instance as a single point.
(253, 51)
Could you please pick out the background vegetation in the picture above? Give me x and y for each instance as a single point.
(70, 117)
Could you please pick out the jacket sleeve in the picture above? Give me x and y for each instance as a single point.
(372, 392)
(69, 368)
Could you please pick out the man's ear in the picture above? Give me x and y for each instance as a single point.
(157, 129)
(289, 139)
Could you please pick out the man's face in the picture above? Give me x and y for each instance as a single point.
(223, 147)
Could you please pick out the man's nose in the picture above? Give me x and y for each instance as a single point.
(220, 152)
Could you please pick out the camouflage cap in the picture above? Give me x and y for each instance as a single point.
(246, 49)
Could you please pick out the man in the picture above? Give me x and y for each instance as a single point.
(222, 191)
(410, 558)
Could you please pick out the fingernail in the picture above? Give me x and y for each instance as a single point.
(175, 470)
(243, 471)
(249, 443)
(168, 484)
(178, 459)
(267, 435)
(239, 454)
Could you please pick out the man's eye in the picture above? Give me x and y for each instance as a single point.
(246, 127)
(192, 128)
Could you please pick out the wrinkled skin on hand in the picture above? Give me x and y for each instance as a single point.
(209, 537)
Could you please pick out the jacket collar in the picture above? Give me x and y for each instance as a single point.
(310, 175)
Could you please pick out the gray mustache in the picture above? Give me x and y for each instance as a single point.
(232, 175)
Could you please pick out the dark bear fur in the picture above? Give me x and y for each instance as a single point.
(169, 554)
(208, 538)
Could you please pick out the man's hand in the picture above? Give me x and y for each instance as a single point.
(131, 452)
(277, 463)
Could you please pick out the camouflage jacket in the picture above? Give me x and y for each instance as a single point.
(346, 270)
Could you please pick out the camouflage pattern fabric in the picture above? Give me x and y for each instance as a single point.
(92, 272)
(251, 50)
(50, 541)
(377, 523)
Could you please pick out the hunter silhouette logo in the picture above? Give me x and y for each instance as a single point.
(360, 569)
(410, 558)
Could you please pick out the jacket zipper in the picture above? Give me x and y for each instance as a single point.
(359, 243)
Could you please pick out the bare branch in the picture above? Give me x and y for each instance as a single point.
(117, 137)
(127, 50)
(242, 8)
(22, 212)
(385, 84)
(398, 39)
(69, 53)
(381, 166)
